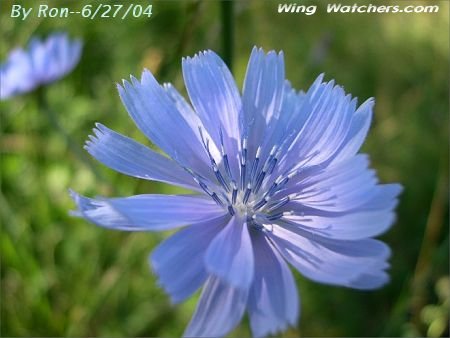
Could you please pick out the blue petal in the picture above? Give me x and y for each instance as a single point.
(43, 62)
(331, 261)
(40, 58)
(357, 133)
(218, 311)
(384, 198)
(262, 97)
(216, 99)
(54, 57)
(328, 112)
(16, 75)
(370, 280)
(179, 260)
(157, 116)
(273, 302)
(342, 187)
(370, 219)
(352, 226)
(194, 122)
(230, 255)
(131, 158)
(283, 128)
(146, 212)
(327, 125)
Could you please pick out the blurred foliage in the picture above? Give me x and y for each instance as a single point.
(61, 276)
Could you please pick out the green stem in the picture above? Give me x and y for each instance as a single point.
(227, 32)
(72, 145)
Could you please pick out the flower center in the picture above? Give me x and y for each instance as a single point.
(255, 194)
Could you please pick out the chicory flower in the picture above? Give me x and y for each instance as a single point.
(278, 179)
(43, 62)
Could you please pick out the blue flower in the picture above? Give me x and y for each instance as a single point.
(43, 62)
(279, 179)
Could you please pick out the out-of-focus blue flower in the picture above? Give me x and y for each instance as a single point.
(43, 62)
(279, 180)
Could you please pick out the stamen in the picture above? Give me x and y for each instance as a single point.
(243, 162)
(216, 198)
(283, 182)
(275, 216)
(244, 147)
(274, 186)
(261, 203)
(202, 185)
(234, 193)
(285, 200)
(259, 181)
(255, 164)
(274, 162)
(227, 166)
(243, 175)
(224, 156)
(220, 177)
(247, 193)
(231, 210)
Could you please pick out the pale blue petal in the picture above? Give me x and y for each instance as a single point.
(179, 260)
(284, 127)
(194, 122)
(326, 108)
(40, 58)
(329, 261)
(131, 158)
(230, 255)
(351, 226)
(157, 116)
(218, 311)
(327, 126)
(370, 280)
(343, 187)
(43, 62)
(262, 97)
(72, 55)
(54, 57)
(333, 129)
(213, 93)
(16, 75)
(358, 131)
(273, 302)
(146, 212)
(385, 197)
(370, 219)
(216, 100)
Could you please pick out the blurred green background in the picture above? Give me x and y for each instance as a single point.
(61, 276)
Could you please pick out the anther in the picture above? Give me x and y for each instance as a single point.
(220, 178)
(275, 216)
(234, 193)
(224, 156)
(243, 172)
(255, 164)
(274, 161)
(203, 186)
(216, 199)
(247, 193)
(259, 181)
(281, 203)
(243, 162)
(261, 203)
(227, 165)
